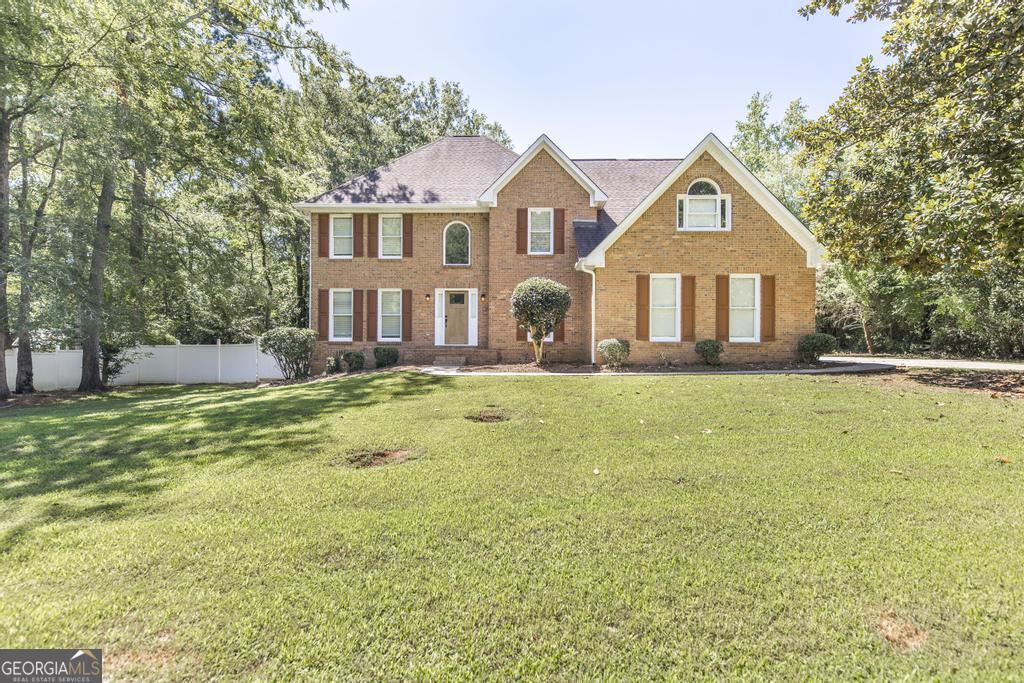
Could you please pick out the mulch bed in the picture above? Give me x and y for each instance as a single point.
(586, 368)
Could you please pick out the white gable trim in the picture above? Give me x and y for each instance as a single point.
(720, 153)
(597, 195)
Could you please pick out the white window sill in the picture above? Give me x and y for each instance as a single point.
(341, 340)
(455, 265)
(389, 258)
(743, 340)
(342, 257)
(453, 345)
(540, 253)
(664, 340)
(389, 341)
(703, 229)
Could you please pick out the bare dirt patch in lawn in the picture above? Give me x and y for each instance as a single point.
(902, 635)
(997, 384)
(371, 458)
(489, 415)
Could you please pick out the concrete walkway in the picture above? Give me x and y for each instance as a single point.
(943, 363)
(840, 369)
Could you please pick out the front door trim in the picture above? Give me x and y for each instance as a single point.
(440, 301)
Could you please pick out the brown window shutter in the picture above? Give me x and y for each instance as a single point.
(559, 231)
(722, 307)
(323, 313)
(406, 235)
(406, 315)
(689, 308)
(560, 332)
(767, 308)
(371, 235)
(643, 307)
(323, 235)
(357, 315)
(357, 235)
(521, 231)
(520, 332)
(371, 315)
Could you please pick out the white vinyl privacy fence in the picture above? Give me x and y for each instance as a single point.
(168, 364)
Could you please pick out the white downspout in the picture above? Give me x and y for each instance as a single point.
(593, 309)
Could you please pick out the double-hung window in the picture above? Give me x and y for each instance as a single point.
(389, 315)
(744, 308)
(341, 315)
(341, 236)
(703, 208)
(391, 236)
(541, 231)
(665, 298)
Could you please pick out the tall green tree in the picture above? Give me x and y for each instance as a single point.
(770, 149)
(919, 161)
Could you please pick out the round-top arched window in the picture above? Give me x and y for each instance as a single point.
(456, 244)
(704, 207)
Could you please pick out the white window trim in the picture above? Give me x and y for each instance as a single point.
(441, 300)
(380, 316)
(650, 305)
(549, 339)
(757, 307)
(444, 245)
(685, 198)
(529, 231)
(380, 236)
(331, 235)
(330, 322)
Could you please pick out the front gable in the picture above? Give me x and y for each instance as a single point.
(544, 145)
(753, 205)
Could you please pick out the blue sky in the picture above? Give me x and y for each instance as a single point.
(632, 78)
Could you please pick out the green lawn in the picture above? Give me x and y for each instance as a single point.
(623, 527)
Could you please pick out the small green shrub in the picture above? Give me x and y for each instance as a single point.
(384, 356)
(356, 360)
(292, 348)
(710, 350)
(614, 351)
(336, 364)
(813, 346)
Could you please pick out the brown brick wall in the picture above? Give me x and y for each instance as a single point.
(421, 273)
(542, 183)
(756, 244)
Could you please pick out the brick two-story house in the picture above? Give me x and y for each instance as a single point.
(425, 251)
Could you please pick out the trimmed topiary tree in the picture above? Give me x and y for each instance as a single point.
(292, 348)
(538, 305)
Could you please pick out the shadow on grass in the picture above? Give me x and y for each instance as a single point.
(977, 380)
(111, 453)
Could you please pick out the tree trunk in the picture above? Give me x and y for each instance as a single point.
(137, 245)
(24, 381)
(266, 276)
(867, 336)
(5, 241)
(92, 311)
(301, 287)
(538, 345)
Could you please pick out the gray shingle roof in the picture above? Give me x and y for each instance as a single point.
(456, 170)
(626, 182)
(450, 170)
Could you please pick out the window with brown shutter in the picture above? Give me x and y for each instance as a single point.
(643, 307)
(520, 332)
(357, 235)
(323, 240)
(371, 235)
(406, 235)
(767, 308)
(559, 231)
(521, 223)
(406, 315)
(560, 332)
(722, 307)
(322, 313)
(357, 315)
(689, 308)
(371, 315)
